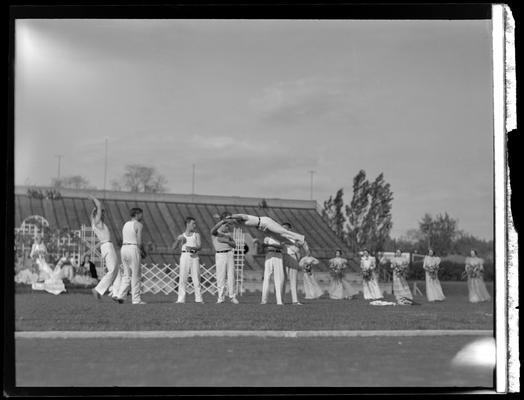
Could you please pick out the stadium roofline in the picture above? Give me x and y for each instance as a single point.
(174, 198)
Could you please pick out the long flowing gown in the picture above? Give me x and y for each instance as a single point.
(340, 287)
(312, 289)
(370, 287)
(433, 287)
(53, 282)
(476, 286)
(400, 283)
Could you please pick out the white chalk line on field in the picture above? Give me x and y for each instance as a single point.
(253, 333)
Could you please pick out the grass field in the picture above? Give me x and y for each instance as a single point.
(245, 361)
(348, 362)
(78, 310)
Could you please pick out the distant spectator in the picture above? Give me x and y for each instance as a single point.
(88, 265)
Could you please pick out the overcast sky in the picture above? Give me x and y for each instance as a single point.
(257, 104)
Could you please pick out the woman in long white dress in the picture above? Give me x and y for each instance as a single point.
(475, 272)
(433, 289)
(312, 289)
(339, 288)
(399, 265)
(370, 286)
(39, 254)
(51, 277)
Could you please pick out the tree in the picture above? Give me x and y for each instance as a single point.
(369, 219)
(72, 182)
(439, 232)
(140, 178)
(333, 213)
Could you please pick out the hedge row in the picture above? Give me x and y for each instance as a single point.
(449, 271)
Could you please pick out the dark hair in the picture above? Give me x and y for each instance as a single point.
(225, 214)
(135, 211)
(434, 253)
(339, 250)
(189, 219)
(475, 251)
(287, 224)
(365, 250)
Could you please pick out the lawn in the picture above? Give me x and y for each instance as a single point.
(348, 362)
(78, 310)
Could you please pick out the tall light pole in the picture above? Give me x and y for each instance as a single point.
(59, 156)
(311, 184)
(105, 170)
(193, 181)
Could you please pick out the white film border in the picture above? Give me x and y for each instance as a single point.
(506, 262)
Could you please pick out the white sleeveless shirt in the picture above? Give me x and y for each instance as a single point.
(129, 233)
(190, 241)
(102, 233)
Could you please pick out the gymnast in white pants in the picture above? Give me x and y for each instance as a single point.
(267, 224)
(273, 266)
(291, 259)
(189, 261)
(107, 251)
(131, 253)
(224, 260)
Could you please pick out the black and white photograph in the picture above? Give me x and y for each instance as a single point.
(256, 203)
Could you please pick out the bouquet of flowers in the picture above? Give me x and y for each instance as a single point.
(337, 271)
(306, 263)
(400, 270)
(367, 274)
(433, 271)
(472, 271)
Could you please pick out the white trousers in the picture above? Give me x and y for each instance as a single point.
(273, 266)
(110, 261)
(189, 264)
(292, 278)
(291, 265)
(225, 265)
(132, 273)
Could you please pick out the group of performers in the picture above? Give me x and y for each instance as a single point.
(50, 277)
(287, 254)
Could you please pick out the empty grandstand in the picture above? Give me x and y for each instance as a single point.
(164, 216)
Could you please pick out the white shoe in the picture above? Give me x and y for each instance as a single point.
(280, 304)
(180, 301)
(263, 302)
(96, 295)
(234, 300)
(220, 301)
(297, 303)
(140, 302)
(200, 301)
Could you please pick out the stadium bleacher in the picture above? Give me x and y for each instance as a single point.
(164, 216)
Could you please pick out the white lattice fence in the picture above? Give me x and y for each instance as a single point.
(164, 279)
(239, 258)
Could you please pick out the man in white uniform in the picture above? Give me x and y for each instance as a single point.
(189, 260)
(291, 259)
(225, 264)
(273, 266)
(267, 224)
(107, 250)
(132, 252)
